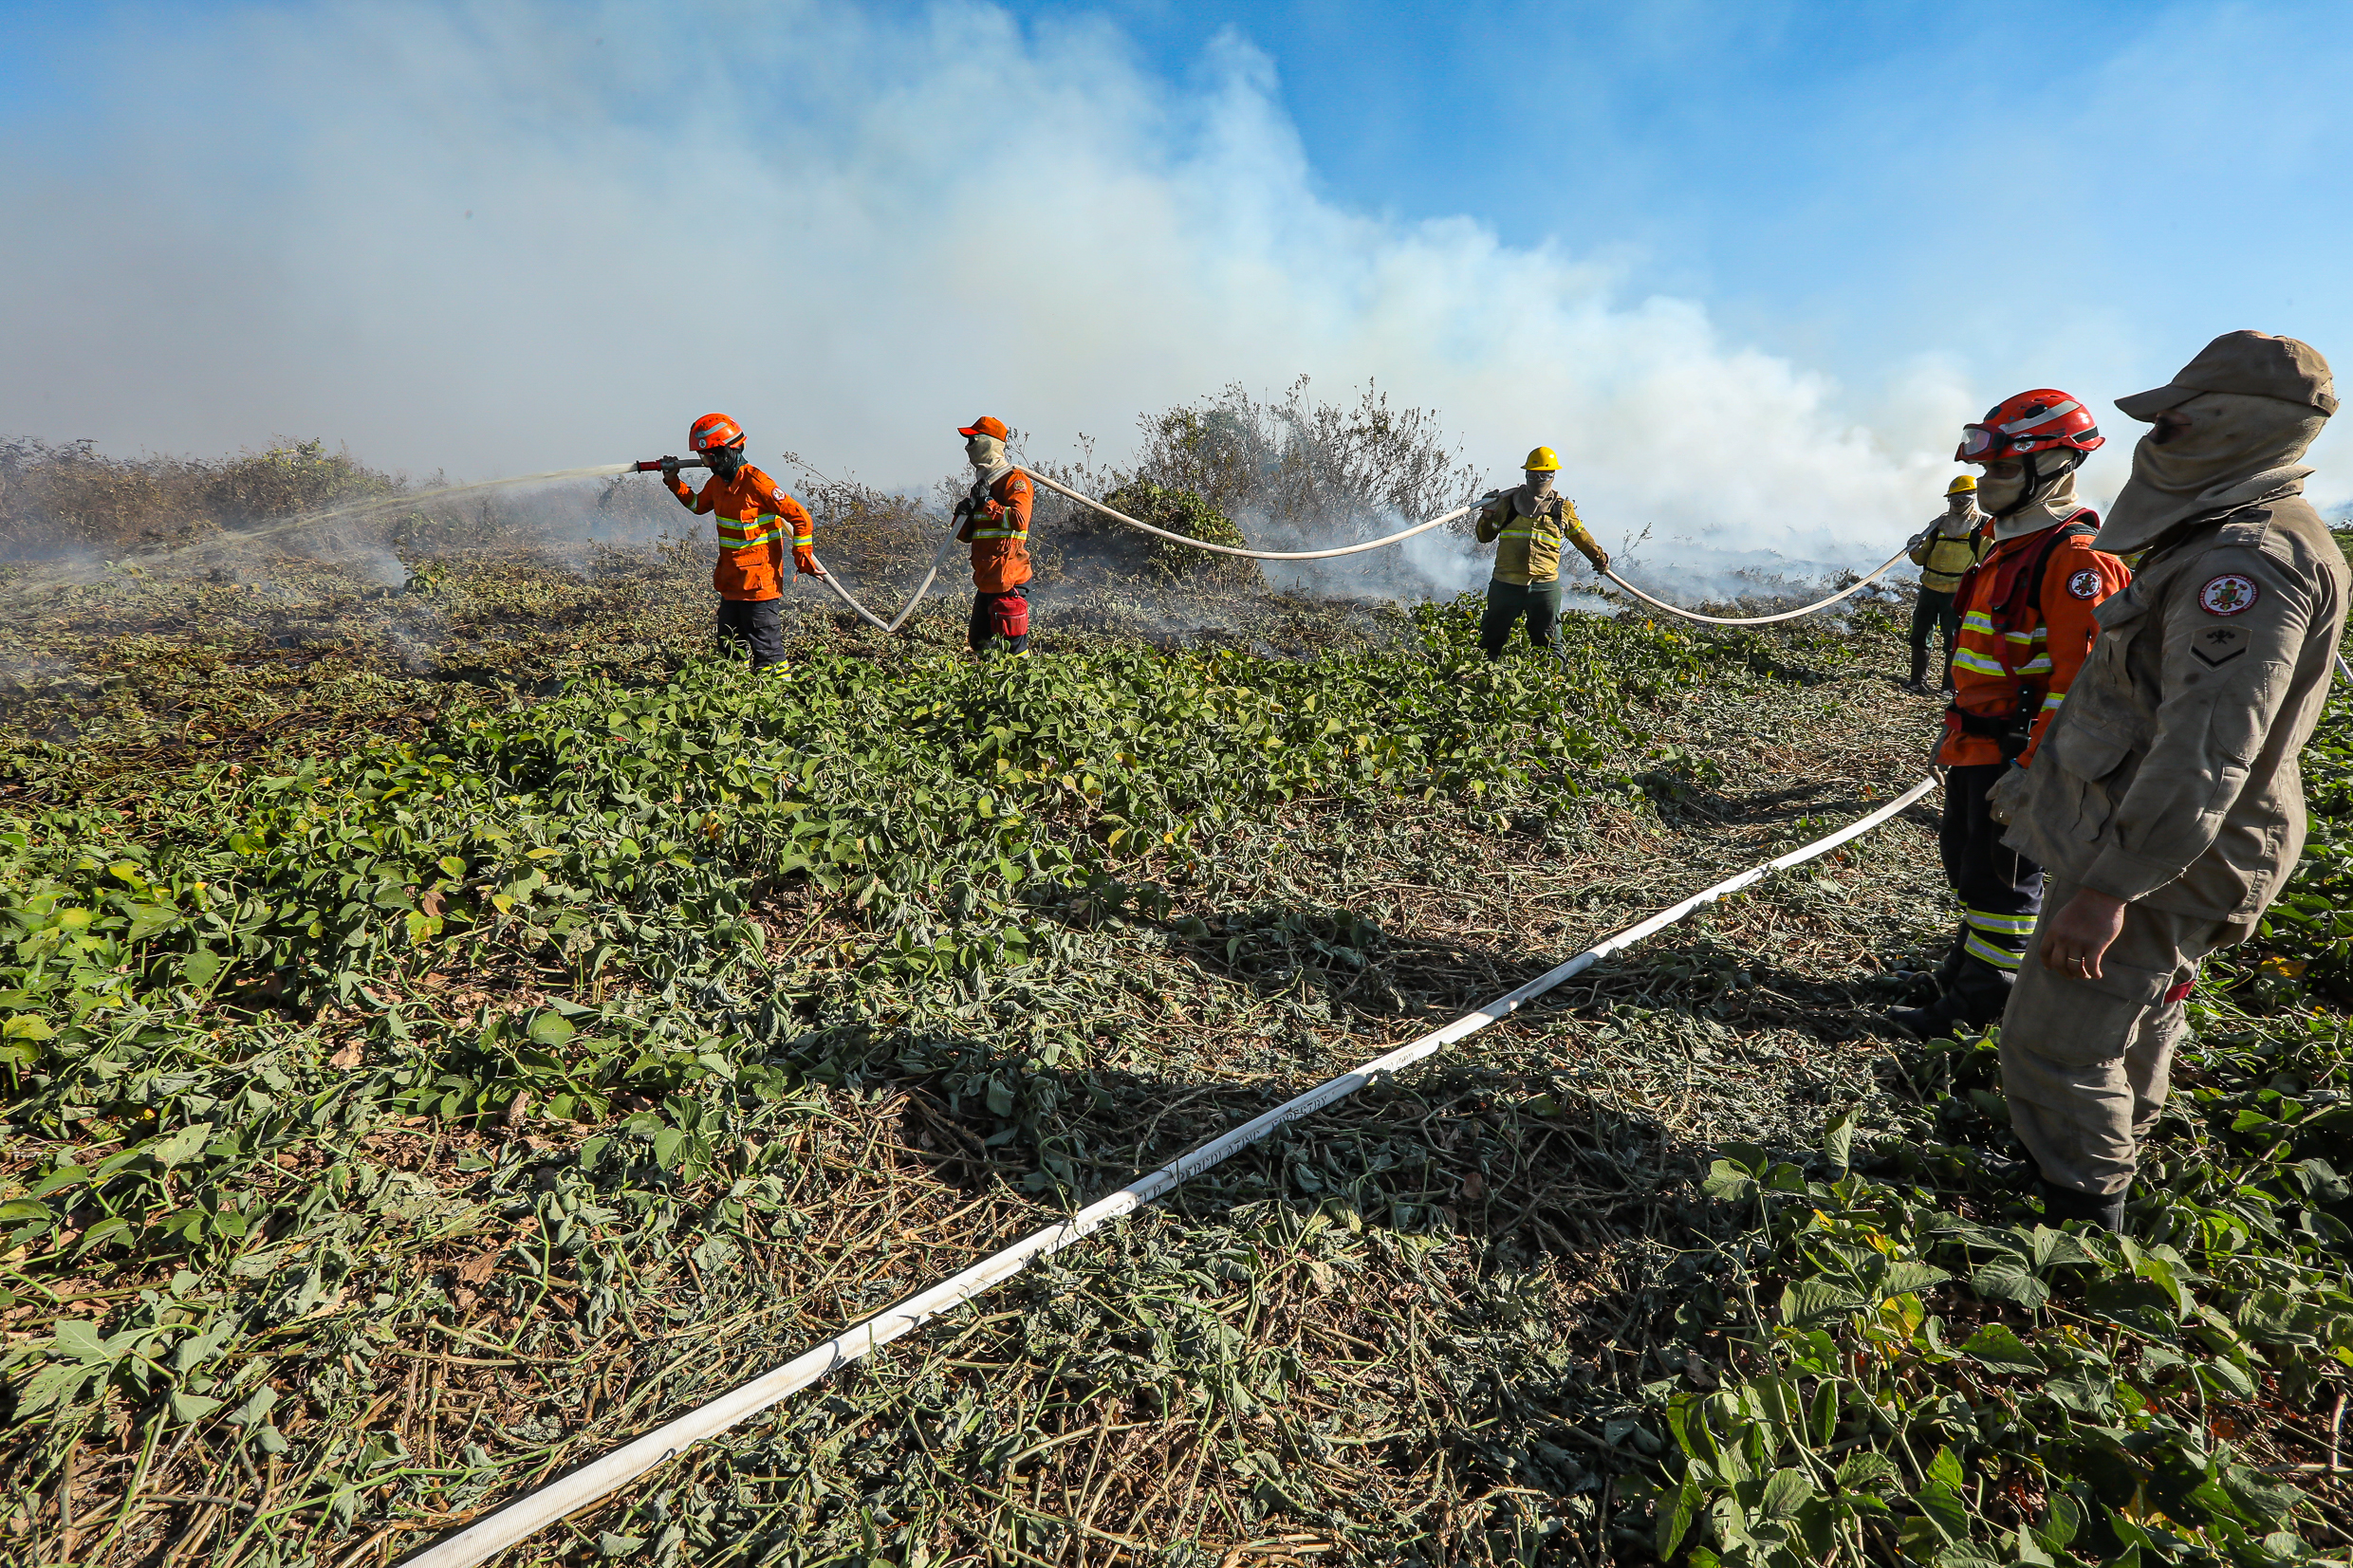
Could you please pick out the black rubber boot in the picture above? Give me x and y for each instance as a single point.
(1949, 968)
(1932, 1022)
(1974, 993)
(1979, 992)
(2062, 1204)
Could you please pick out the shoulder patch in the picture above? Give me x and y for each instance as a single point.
(2227, 595)
(2085, 584)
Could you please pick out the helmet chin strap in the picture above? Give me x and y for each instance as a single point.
(2039, 484)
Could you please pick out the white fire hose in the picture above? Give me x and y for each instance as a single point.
(1759, 620)
(1383, 543)
(599, 1478)
(887, 627)
(1252, 554)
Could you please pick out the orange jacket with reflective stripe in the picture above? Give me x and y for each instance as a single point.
(752, 510)
(2028, 656)
(998, 532)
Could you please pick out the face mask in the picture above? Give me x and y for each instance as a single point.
(2043, 480)
(1539, 482)
(726, 461)
(2235, 448)
(986, 451)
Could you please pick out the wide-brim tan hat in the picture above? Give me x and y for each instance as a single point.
(2255, 364)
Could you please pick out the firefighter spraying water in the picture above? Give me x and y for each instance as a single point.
(751, 511)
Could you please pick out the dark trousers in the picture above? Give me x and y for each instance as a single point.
(753, 624)
(1507, 601)
(1934, 610)
(2001, 892)
(982, 629)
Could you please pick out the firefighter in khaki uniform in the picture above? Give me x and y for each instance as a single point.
(751, 511)
(996, 524)
(1527, 524)
(2026, 625)
(2165, 800)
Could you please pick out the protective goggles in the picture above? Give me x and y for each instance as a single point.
(1980, 444)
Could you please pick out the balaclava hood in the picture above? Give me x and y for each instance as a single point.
(1535, 495)
(2043, 492)
(1961, 516)
(990, 464)
(2255, 403)
(2237, 448)
(724, 461)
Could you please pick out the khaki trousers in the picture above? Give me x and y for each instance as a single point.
(2086, 1064)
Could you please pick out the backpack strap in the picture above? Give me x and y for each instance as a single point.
(2026, 591)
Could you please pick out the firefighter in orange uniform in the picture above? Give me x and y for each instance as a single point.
(752, 510)
(996, 524)
(2025, 627)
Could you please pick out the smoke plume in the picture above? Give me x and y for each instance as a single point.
(492, 239)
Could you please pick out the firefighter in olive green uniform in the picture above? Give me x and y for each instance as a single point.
(2164, 801)
(1944, 552)
(1527, 524)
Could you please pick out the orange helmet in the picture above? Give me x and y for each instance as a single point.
(2043, 420)
(713, 430)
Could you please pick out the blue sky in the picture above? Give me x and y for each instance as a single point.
(1748, 264)
(1851, 183)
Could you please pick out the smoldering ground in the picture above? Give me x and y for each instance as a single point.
(298, 557)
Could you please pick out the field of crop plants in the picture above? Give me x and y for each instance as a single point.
(453, 1024)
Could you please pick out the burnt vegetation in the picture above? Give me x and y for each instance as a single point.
(454, 1023)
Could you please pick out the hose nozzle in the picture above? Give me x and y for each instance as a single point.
(655, 465)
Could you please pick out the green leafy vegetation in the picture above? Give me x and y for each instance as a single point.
(453, 1042)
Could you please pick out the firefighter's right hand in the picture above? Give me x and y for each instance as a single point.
(670, 470)
(805, 563)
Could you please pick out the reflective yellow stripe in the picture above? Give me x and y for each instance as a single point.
(1977, 621)
(2001, 958)
(2038, 665)
(1969, 659)
(2017, 925)
(980, 534)
(736, 534)
(2052, 699)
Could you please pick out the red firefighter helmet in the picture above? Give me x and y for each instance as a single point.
(2042, 420)
(713, 430)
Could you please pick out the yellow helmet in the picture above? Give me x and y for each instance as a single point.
(1542, 460)
(1966, 482)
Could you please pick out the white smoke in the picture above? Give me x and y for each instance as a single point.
(493, 239)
